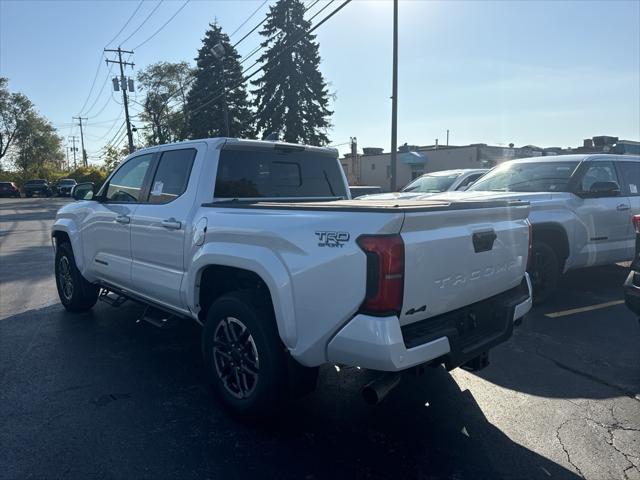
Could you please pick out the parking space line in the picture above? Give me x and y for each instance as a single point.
(573, 311)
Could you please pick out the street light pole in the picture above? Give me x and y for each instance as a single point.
(394, 102)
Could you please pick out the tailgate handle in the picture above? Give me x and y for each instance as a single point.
(483, 241)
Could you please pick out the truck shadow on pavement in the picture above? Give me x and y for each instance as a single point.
(99, 395)
(564, 353)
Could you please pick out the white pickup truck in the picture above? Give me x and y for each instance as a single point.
(259, 243)
(581, 210)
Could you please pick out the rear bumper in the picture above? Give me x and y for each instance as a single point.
(632, 292)
(380, 343)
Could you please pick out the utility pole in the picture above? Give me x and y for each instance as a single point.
(124, 84)
(447, 137)
(84, 152)
(74, 149)
(394, 102)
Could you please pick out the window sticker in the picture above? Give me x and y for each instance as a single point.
(157, 188)
(633, 188)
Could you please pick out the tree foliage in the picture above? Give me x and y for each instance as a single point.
(291, 95)
(217, 91)
(14, 109)
(166, 85)
(113, 156)
(37, 148)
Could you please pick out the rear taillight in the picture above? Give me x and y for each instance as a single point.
(530, 253)
(636, 222)
(385, 273)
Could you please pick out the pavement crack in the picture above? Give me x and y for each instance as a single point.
(566, 452)
(588, 376)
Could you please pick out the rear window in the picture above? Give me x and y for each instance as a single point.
(278, 174)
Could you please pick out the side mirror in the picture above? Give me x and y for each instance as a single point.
(83, 191)
(604, 189)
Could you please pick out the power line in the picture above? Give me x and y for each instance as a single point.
(288, 47)
(143, 22)
(163, 25)
(320, 11)
(125, 25)
(93, 83)
(100, 93)
(95, 77)
(249, 18)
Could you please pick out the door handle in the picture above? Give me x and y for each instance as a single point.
(623, 207)
(171, 224)
(124, 219)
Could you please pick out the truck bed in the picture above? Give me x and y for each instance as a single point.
(375, 206)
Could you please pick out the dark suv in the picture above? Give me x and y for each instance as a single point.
(37, 187)
(64, 187)
(9, 189)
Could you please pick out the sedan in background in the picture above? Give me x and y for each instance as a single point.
(37, 187)
(9, 189)
(64, 187)
(433, 183)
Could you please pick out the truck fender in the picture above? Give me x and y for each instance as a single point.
(259, 260)
(69, 227)
(557, 227)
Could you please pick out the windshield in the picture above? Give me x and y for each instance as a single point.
(527, 177)
(431, 183)
(67, 182)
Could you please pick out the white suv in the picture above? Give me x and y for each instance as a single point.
(581, 209)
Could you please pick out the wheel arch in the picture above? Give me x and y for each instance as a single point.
(554, 235)
(249, 267)
(65, 230)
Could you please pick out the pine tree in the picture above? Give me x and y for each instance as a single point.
(206, 116)
(291, 95)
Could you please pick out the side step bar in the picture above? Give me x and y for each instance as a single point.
(156, 317)
(114, 300)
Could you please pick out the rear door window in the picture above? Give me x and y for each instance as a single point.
(172, 175)
(630, 178)
(598, 172)
(286, 173)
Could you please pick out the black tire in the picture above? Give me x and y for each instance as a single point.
(244, 356)
(75, 292)
(28, 195)
(544, 272)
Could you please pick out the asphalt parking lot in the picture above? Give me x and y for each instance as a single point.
(99, 395)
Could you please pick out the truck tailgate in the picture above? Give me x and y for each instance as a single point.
(455, 258)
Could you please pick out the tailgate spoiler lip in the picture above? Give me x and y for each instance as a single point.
(314, 204)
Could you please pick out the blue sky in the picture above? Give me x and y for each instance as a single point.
(541, 72)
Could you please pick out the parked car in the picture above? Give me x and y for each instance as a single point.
(37, 187)
(632, 284)
(9, 189)
(359, 190)
(581, 207)
(255, 241)
(65, 186)
(432, 183)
